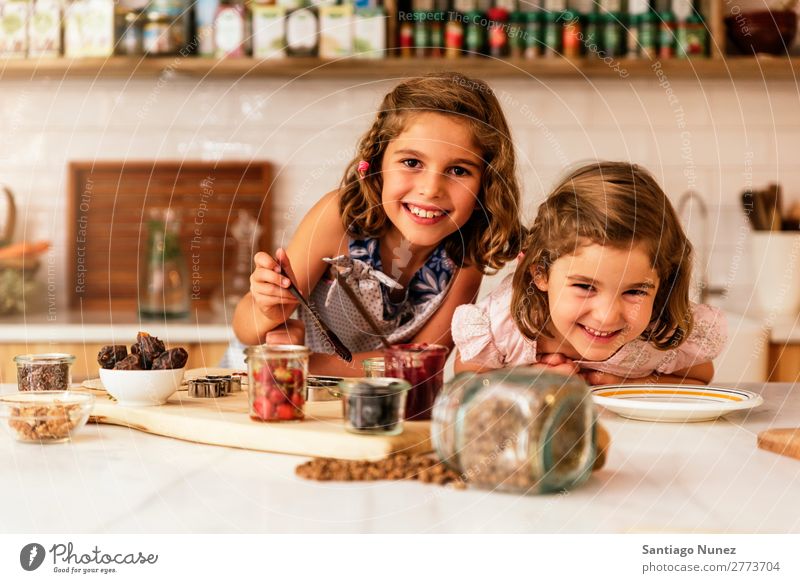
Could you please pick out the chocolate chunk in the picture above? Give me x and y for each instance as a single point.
(130, 362)
(149, 347)
(173, 358)
(111, 355)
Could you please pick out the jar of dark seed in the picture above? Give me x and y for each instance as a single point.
(44, 372)
(374, 406)
(518, 430)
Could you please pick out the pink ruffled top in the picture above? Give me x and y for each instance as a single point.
(486, 334)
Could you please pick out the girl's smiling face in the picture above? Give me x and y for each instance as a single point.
(600, 299)
(431, 178)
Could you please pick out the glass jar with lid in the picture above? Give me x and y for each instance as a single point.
(518, 430)
(157, 36)
(374, 367)
(164, 33)
(129, 31)
(422, 365)
(44, 372)
(302, 32)
(277, 376)
(374, 406)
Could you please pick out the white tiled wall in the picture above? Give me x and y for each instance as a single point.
(734, 134)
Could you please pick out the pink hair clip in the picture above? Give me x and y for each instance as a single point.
(362, 168)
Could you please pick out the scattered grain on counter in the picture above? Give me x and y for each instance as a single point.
(400, 466)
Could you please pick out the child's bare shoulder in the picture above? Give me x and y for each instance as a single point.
(322, 226)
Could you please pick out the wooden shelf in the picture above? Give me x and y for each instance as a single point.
(770, 68)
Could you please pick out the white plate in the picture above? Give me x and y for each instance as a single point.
(673, 403)
(94, 384)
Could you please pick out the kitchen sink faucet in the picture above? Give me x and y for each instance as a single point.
(687, 202)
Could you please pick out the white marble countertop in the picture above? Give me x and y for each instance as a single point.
(76, 326)
(702, 477)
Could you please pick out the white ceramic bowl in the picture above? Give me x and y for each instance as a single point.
(141, 388)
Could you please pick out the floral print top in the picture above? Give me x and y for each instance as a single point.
(364, 273)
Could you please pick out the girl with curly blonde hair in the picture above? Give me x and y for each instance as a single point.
(427, 206)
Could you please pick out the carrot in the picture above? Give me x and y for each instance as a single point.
(24, 249)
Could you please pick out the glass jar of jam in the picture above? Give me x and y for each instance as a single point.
(517, 430)
(374, 406)
(44, 372)
(421, 365)
(277, 375)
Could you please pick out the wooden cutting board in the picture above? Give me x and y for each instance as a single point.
(782, 441)
(225, 422)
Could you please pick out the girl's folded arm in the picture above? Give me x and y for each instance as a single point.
(699, 374)
(460, 366)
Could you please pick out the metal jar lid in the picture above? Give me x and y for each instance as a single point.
(277, 351)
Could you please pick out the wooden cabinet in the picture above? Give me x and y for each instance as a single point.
(784, 362)
(200, 355)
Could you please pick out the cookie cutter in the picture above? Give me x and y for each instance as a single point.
(207, 388)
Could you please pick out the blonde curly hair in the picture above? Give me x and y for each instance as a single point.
(494, 233)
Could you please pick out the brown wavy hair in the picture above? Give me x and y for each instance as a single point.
(616, 204)
(494, 233)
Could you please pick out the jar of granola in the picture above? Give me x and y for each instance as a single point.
(277, 381)
(519, 430)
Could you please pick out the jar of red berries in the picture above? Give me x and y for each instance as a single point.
(277, 375)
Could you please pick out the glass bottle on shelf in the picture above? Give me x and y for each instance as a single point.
(516, 34)
(406, 39)
(230, 30)
(454, 36)
(571, 34)
(612, 35)
(533, 34)
(591, 38)
(437, 33)
(552, 35)
(692, 38)
(632, 35)
(498, 32)
(302, 32)
(422, 33)
(648, 35)
(474, 36)
(163, 275)
(666, 35)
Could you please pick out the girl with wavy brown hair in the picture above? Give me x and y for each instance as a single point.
(602, 290)
(427, 206)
